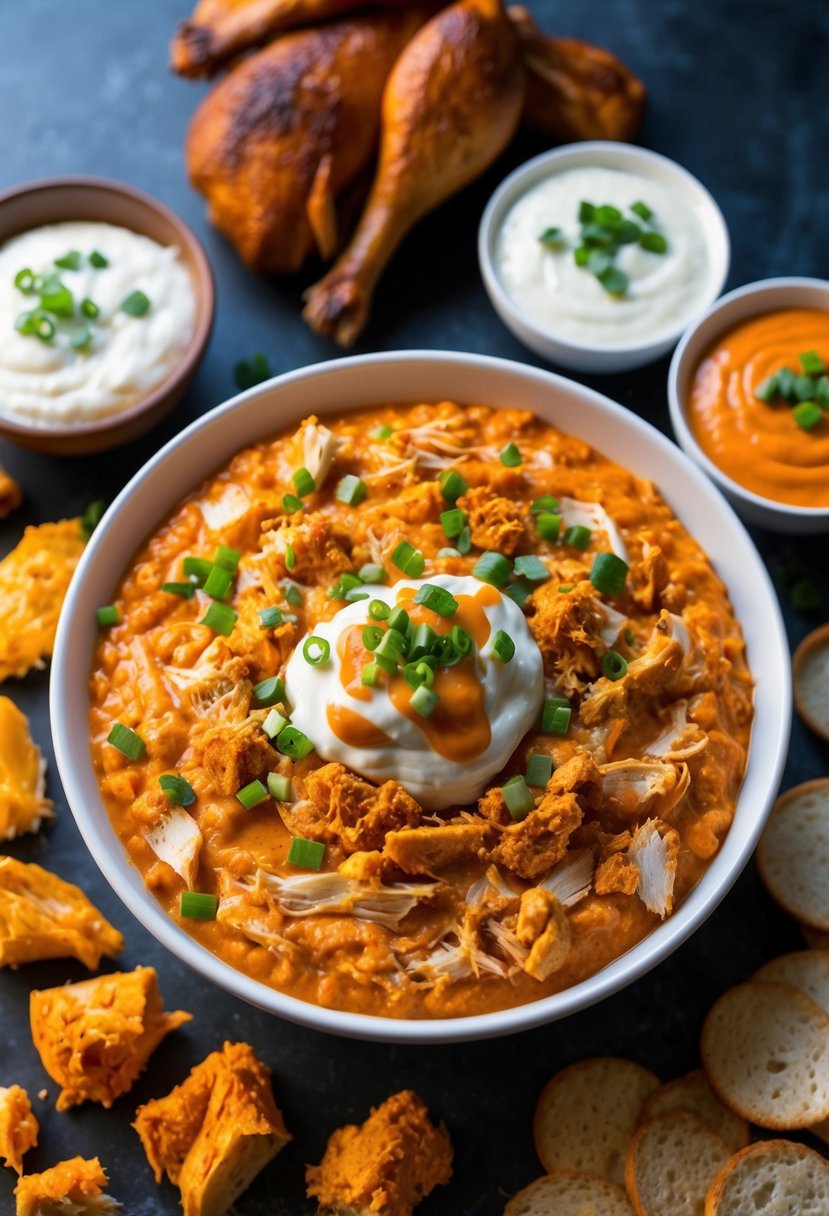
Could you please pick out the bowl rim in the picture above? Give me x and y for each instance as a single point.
(758, 289)
(68, 702)
(203, 289)
(510, 188)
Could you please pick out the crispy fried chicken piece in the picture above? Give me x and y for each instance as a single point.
(494, 522)
(385, 1166)
(18, 1126)
(70, 1188)
(651, 673)
(276, 145)
(357, 815)
(567, 630)
(94, 1038)
(11, 495)
(425, 850)
(451, 105)
(543, 926)
(321, 551)
(616, 876)
(235, 755)
(579, 775)
(23, 801)
(539, 842)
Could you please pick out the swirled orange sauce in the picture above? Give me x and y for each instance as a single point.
(760, 445)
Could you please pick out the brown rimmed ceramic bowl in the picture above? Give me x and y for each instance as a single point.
(55, 199)
(807, 651)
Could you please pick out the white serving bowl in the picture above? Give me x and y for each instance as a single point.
(329, 388)
(586, 357)
(767, 295)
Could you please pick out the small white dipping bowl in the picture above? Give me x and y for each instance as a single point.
(565, 351)
(767, 295)
(411, 376)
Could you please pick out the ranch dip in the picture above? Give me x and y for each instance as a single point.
(128, 315)
(662, 288)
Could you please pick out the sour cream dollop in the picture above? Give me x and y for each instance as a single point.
(556, 294)
(486, 705)
(52, 382)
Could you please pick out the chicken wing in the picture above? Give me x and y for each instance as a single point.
(451, 105)
(284, 135)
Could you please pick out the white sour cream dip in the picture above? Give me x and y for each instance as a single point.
(50, 383)
(512, 695)
(557, 295)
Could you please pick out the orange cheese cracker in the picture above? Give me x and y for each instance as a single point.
(95, 1037)
(212, 1134)
(70, 1188)
(23, 801)
(41, 916)
(18, 1126)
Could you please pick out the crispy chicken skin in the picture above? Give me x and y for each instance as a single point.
(23, 801)
(494, 522)
(18, 1126)
(75, 1186)
(276, 143)
(539, 842)
(94, 1038)
(385, 1166)
(213, 1133)
(426, 850)
(356, 814)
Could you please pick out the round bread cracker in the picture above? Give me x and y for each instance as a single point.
(586, 1116)
(816, 939)
(793, 854)
(810, 666)
(771, 1178)
(807, 970)
(671, 1163)
(570, 1194)
(693, 1094)
(765, 1049)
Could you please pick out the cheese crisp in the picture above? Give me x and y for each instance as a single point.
(23, 801)
(95, 1037)
(212, 1134)
(18, 1126)
(71, 1188)
(41, 916)
(34, 579)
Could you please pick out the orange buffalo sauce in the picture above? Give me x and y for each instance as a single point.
(760, 445)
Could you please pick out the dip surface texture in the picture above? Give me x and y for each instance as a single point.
(52, 383)
(480, 854)
(760, 444)
(557, 295)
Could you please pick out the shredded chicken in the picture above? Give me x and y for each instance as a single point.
(354, 813)
(494, 522)
(592, 515)
(310, 551)
(539, 842)
(654, 852)
(176, 840)
(650, 674)
(634, 787)
(543, 927)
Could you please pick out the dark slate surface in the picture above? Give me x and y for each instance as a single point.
(737, 96)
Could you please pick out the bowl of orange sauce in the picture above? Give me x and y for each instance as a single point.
(748, 390)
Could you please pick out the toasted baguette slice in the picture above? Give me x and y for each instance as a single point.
(765, 1049)
(693, 1094)
(570, 1194)
(671, 1163)
(793, 854)
(586, 1116)
(807, 970)
(816, 939)
(821, 1130)
(811, 686)
(771, 1178)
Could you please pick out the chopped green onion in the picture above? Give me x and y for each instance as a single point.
(464, 541)
(437, 599)
(290, 556)
(548, 525)
(614, 281)
(92, 517)
(453, 522)
(292, 593)
(247, 373)
(392, 645)
(539, 769)
(493, 568)
(351, 490)
(252, 794)
(452, 485)
(227, 558)
(607, 215)
(69, 261)
(371, 674)
(303, 481)
(372, 573)
(379, 610)
(419, 673)
(348, 581)
(275, 723)
(389, 666)
(424, 701)
(26, 323)
(399, 620)
(177, 790)
(269, 691)
(552, 238)
(822, 391)
(197, 569)
(518, 797)
(58, 300)
(136, 304)
(587, 213)
(577, 537)
(581, 255)
(807, 415)
(35, 324)
(511, 456)
(423, 639)
(220, 618)
(381, 432)
(98, 260)
(462, 640)
(126, 741)
(24, 281)
(768, 390)
(108, 615)
(565, 587)
(555, 716)
(185, 591)
(195, 905)
(408, 559)
(531, 567)
(280, 787)
(316, 650)
(642, 210)
(308, 854)
(653, 242)
(786, 380)
(519, 592)
(271, 617)
(372, 636)
(448, 552)
(291, 504)
(292, 742)
(218, 583)
(546, 503)
(614, 665)
(443, 650)
(608, 573)
(503, 647)
(81, 338)
(803, 388)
